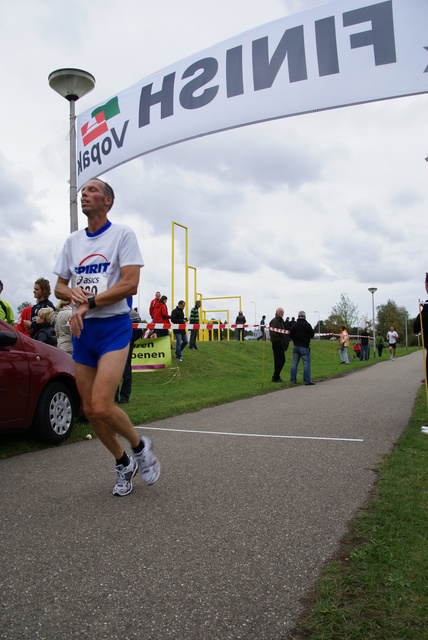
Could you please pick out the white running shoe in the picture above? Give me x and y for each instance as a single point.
(148, 463)
(123, 484)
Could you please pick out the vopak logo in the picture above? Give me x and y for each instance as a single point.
(97, 125)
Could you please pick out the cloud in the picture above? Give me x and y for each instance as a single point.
(17, 212)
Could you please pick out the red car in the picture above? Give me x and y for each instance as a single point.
(37, 387)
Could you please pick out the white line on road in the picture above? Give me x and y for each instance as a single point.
(251, 435)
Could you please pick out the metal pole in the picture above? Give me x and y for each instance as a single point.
(73, 175)
(72, 84)
(172, 268)
(187, 274)
(406, 329)
(195, 296)
(374, 328)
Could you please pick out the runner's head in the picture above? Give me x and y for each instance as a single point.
(97, 197)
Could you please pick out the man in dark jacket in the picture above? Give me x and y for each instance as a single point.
(301, 334)
(177, 317)
(423, 327)
(194, 319)
(240, 319)
(279, 343)
(364, 355)
(124, 393)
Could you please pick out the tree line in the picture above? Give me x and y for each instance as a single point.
(389, 314)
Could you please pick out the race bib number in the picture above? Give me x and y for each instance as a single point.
(96, 283)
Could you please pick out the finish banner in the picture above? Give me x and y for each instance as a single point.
(151, 354)
(337, 54)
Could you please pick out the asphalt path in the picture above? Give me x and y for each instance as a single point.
(253, 499)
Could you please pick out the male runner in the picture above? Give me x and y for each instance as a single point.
(103, 263)
(392, 337)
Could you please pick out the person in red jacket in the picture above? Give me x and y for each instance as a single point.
(153, 302)
(25, 315)
(160, 315)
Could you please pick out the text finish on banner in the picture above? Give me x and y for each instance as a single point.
(338, 54)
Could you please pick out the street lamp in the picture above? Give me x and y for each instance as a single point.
(372, 291)
(72, 84)
(406, 317)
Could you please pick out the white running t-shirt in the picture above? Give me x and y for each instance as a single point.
(93, 262)
(392, 337)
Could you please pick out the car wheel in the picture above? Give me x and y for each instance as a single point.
(53, 419)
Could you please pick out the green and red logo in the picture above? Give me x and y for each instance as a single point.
(97, 125)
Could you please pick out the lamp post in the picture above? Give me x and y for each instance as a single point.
(372, 291)
(72, 84)
(406, 317)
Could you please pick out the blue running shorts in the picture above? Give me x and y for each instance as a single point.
(100, 336)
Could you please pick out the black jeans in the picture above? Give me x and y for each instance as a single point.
(193, 336)
(125, 391)
(278, 360)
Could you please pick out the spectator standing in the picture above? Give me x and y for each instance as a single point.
(380, 344)
(343, 345)
(364, 355)
(153, 303)
(279, 343)
(102, 329)
(6, 312)
(240, 319)
(392, 337)
(262, 328)
(25, 315)
(161, 316)
(177, 317)
(62, 327)
(42, 291)
(194, 319)
(301, 333)
(123, 393)
(44, 331)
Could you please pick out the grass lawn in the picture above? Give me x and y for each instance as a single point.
(217, 373)
(376, 588)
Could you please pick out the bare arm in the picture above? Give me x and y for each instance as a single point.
(62, 290)
(127, 286)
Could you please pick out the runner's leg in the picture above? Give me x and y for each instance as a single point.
(97, 388)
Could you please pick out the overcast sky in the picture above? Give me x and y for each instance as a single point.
(288, 213)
